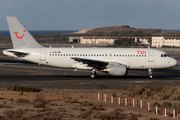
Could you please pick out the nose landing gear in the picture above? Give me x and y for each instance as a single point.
(150, 73)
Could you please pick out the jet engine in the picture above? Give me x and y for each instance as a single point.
(117, 70)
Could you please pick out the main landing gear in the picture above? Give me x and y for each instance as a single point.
(93, 74)
(150, 73)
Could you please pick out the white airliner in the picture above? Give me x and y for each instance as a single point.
(115, 61)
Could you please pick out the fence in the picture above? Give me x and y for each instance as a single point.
(139, 103)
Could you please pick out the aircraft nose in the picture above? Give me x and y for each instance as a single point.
(174, 62)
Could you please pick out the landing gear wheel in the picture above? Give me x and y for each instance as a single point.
(93, 75)
(151, 76)
(150, 73)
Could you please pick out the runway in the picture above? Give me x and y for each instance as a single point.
(16, 72)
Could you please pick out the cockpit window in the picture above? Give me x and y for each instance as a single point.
(165, 55)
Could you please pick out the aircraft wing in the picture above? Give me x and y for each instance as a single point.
(92, 63)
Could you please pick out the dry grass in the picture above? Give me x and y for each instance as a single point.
(39, 101)
(69, 104)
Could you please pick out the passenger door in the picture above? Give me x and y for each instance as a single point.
(150, 56)
(43, 55)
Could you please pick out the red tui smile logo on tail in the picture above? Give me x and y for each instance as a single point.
(16, 33)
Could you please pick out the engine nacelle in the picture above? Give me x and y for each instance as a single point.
(117, 70)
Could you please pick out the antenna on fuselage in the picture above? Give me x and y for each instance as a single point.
(148, 47)
(72, 46)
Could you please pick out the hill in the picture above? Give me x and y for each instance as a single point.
(126, 28)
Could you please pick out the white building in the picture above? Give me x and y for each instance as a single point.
(93, 40)
(106, 40)
(165, 41)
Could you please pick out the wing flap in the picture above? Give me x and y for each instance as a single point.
(92, 63)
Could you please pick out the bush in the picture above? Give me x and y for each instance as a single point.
(157, 104)
(46, 117)
(13, 114)
(166, 104)
(133, 117)
(86, 103)
(176, 97)
(147, 88)
(130, 92)
(159, 89)
(165, 92)
(147, 93)
(114, 94)
(20, 100)
(24, 89)
(176, 106)
(138, 90)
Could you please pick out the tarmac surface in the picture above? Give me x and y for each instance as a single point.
(22, 73)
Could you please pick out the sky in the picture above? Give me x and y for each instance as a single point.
(84, 14)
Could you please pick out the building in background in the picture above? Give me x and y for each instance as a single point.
(106, 40)
(165, 41)
(92, 40)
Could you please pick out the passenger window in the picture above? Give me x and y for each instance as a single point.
(99, 54)
(69, 54)
(165, 55)
(80, 54)
(161, 55)
(136, 55)
(139, 55)
(144, 55)
(50, 54)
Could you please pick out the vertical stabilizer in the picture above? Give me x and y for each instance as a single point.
(21, 38)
